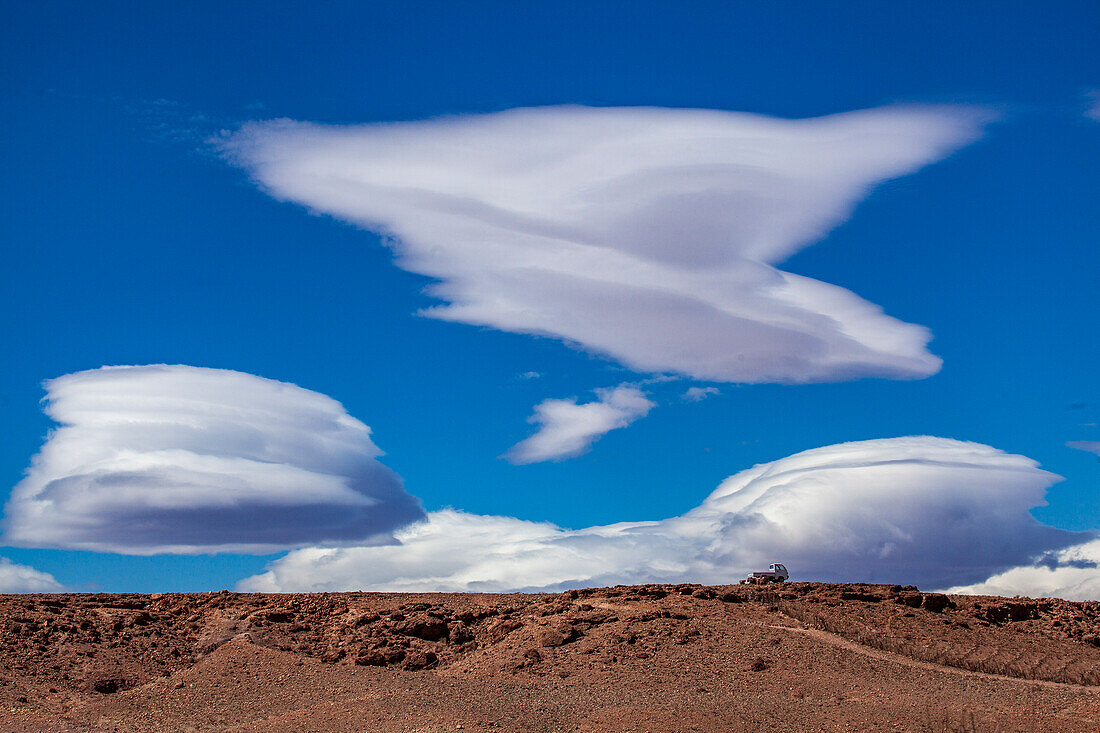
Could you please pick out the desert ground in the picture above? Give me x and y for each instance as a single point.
(796, 656)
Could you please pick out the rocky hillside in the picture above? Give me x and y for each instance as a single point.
(738, 655)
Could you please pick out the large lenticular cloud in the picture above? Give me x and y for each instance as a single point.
(181, 459)
(923, 510)
(647, 235)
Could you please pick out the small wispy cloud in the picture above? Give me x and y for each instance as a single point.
(1092, 111)
(698, 394)
(1092, 446)
(567, 429)
(170, 121)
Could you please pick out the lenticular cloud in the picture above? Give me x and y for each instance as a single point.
(647, 235)
(923, 510)
(181, 459)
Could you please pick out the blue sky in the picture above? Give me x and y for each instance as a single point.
(129, 240)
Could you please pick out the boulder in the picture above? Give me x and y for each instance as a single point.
(1011, 611)
(499, 630)
(422, 626)
(910, 599)
(420, 660)
(380, 657)
(557, 635)
(936, 602)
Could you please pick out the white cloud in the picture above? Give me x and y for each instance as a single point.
(647, 235)
(15, 578)
(1092, 446)
(1093, 110)
(567, 429)
(1072, 573)
(923, 510)
(698, 394)
(151, 459)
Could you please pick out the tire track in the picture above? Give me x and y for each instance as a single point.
(836, 640)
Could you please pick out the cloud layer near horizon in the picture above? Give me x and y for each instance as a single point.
(15, 578)
(567, 429)
(1072, 573)
(643, 234)
(924, 510)
(153, 459)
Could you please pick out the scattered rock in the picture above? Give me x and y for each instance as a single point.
(1012, 611)
(652, 591)
(497, 631)
(420, 660)
(910, 599)
(380, 657)
(108, 685)
(936, 602)
(552, 636)
(424, 627)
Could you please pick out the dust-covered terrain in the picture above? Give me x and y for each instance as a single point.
(640, 658)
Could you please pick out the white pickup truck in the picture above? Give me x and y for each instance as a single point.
(776, 573)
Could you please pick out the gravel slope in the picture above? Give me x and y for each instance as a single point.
(646, 658)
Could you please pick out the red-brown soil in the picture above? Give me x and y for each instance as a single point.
(801, 656)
